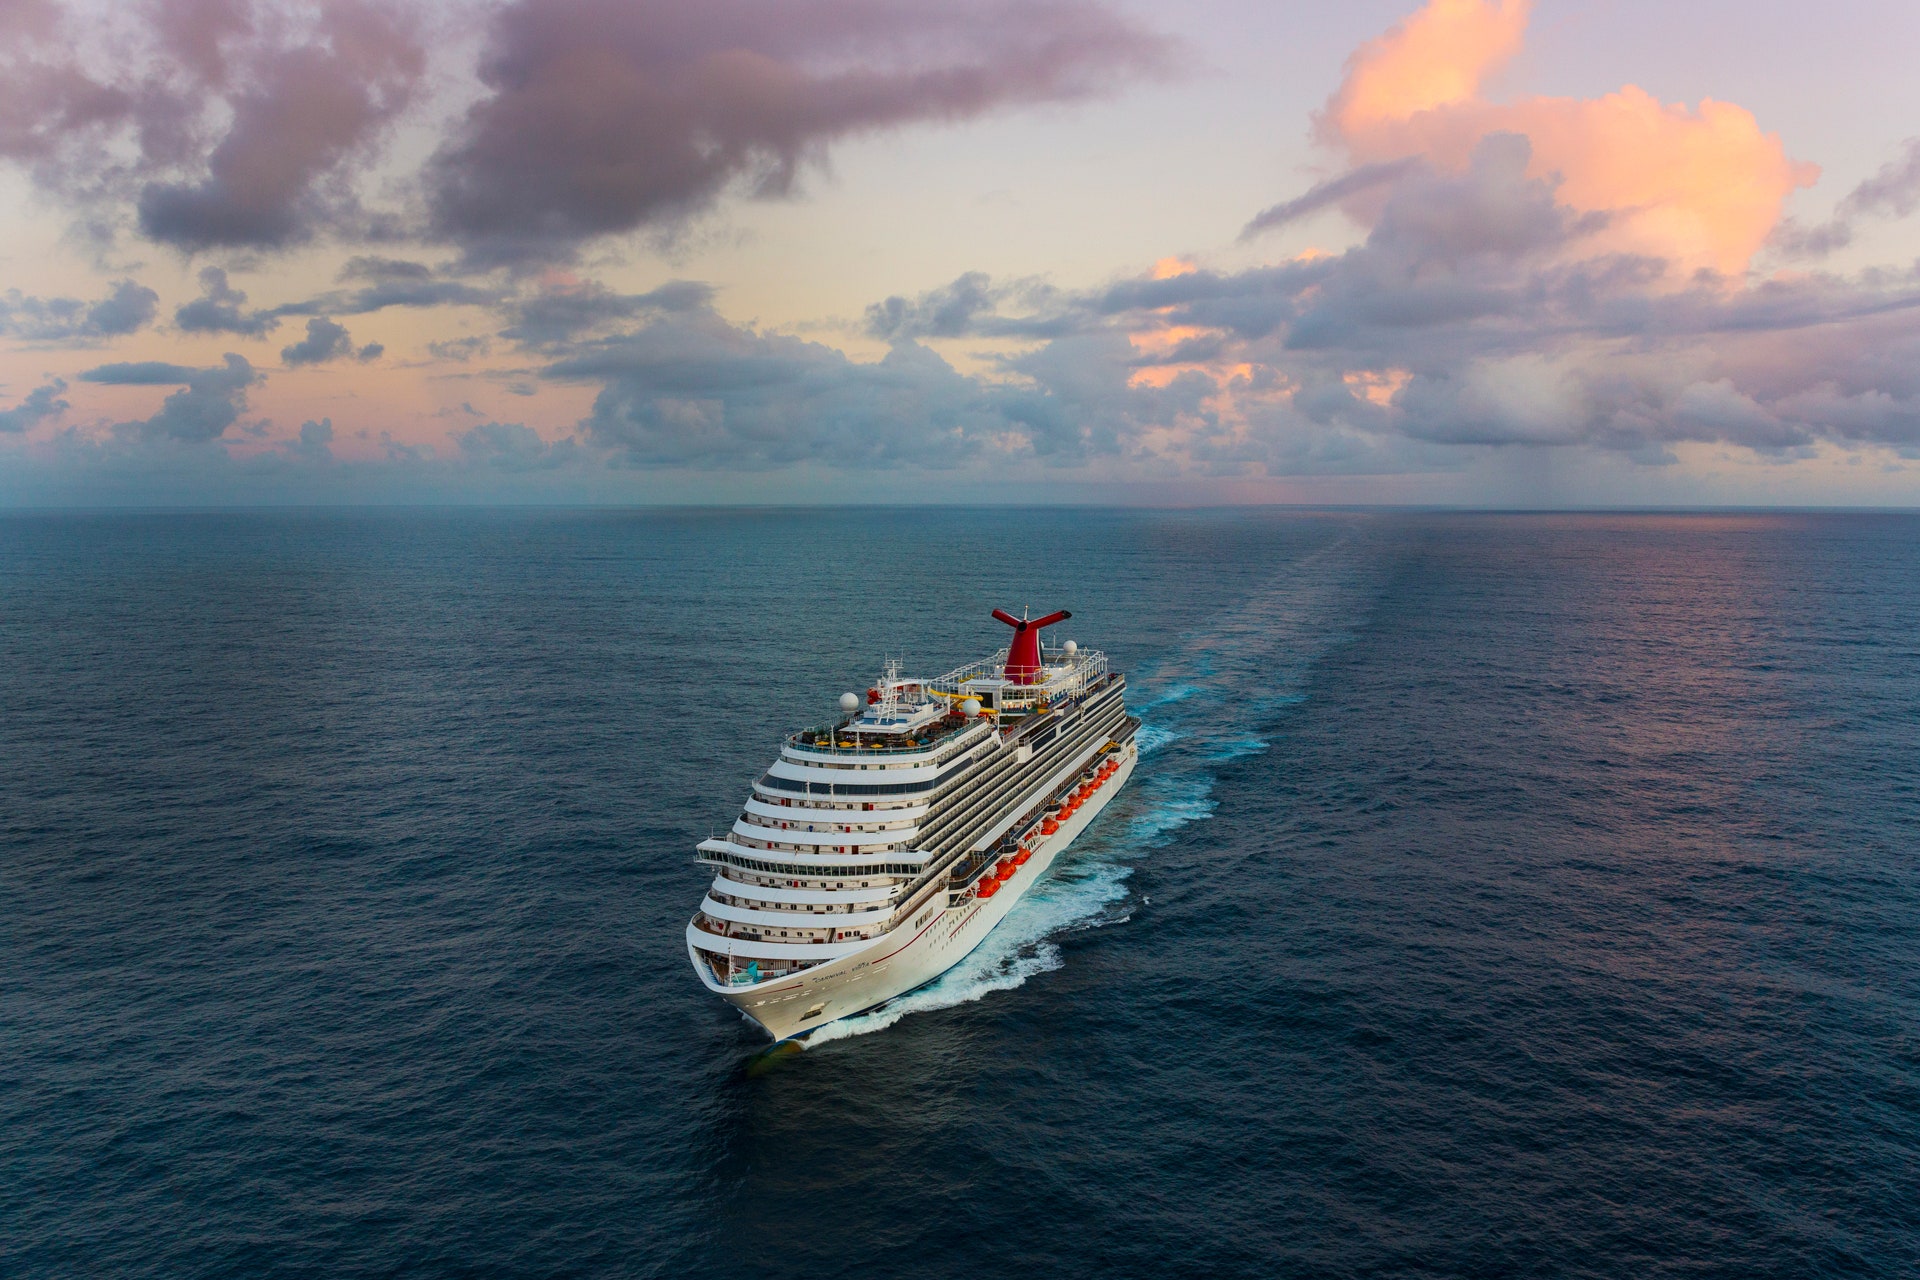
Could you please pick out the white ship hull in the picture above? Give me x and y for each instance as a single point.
(910, 956)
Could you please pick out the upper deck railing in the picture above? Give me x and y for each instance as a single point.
(833, 740)
(1067, 675)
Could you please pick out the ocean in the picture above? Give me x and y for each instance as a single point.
(1498, 895)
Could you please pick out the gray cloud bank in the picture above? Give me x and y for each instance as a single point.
(1476, 316)
(1473, 317)
(126, 309)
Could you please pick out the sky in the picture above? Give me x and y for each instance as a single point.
(1474, 252)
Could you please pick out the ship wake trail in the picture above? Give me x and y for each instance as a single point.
(1075, 896)
(1207, 703)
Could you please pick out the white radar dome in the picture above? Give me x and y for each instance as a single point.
(970, 708)
(1071, 648)
(849, 702)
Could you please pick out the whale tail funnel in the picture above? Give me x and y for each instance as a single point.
(1023, 653)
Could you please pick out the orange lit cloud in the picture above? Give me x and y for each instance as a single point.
(1158, 342)
(1377, 387)
(1164, 375)
(1699, 186)
(1436, 58)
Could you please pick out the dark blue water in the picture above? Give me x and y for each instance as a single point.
(1500, 896)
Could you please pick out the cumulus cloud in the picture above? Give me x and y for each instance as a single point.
(695, 391)
(460, 350)
(513, 446)
(603, 116)
(221, 308)
(126, 309)
(1701, 187)
(691, 390)
(210, 401)
(971, 307)
(326, 340)
(563, 308)
(40, 404)
(378, 284)
(315, 441)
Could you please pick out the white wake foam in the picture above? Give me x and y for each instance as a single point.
(1168, 695)
(1167, 804)
(1068, 897)
(1234, 748)
(1152, 737)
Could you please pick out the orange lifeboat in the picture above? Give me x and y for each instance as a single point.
(1048, 827)
(1005, 870)
(1020, 858)
(987, 887)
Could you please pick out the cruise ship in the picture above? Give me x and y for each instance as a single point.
(880, 849)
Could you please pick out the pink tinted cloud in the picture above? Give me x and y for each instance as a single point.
(215, 123)
(604, 116)
(1701, 187)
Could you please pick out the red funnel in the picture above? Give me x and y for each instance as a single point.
(1023, 655)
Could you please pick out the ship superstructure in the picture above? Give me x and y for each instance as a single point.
(881, 848)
